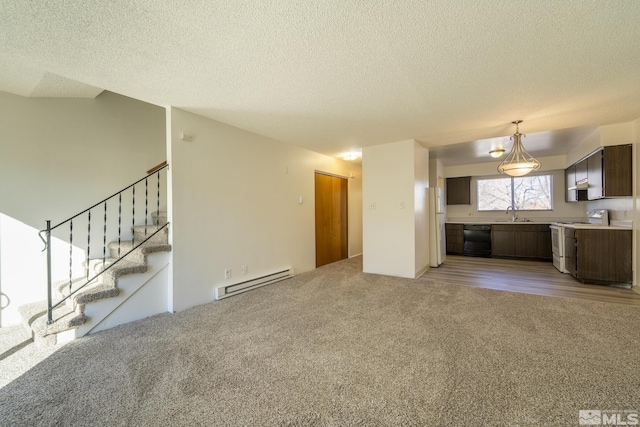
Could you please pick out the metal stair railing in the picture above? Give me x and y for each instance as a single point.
(156, 171)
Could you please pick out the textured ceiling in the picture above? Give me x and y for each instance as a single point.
(338, 74)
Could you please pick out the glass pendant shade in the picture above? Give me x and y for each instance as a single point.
(518, 162)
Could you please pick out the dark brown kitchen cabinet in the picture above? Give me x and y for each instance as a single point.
(534, 241)
(503, 241)
(570, 251)
(596, 186)
(601, 256)
(455, 239)
(527, 241)
(609, 172)
(459, 191)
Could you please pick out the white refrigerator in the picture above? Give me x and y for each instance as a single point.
(437, 234)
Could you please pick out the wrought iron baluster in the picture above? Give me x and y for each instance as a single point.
(104, 237)
(49, 296)
(133, 216)
(146, 205)
(70, 254)
(88, 243)
(119, 221)
(158, 203)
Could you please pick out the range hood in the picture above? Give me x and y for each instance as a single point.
(583, 184)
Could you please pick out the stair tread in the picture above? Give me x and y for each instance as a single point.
(34, 316)
(153, 227)
(123, 264)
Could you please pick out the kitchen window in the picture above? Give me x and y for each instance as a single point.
(526, 193)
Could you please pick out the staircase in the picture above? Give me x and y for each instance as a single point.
(91, 309)
(105, 284)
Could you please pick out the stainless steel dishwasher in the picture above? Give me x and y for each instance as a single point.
(477, 240)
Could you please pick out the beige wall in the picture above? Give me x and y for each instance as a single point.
(491, 168)
(436, 173)
(57, 157)
(394, 219)
(636, 210)
(60, 154)
(561, 209)
(616, 134)
(235, 201)
(421, 206)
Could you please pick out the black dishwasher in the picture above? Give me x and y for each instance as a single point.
(477, 240)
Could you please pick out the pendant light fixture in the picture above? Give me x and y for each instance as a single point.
(518, 162)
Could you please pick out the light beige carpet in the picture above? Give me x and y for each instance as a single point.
(338, 347)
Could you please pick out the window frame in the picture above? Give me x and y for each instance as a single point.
(512, 178)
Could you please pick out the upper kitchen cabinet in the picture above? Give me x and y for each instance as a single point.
(581, 170)
(595, 169)
(459, 191)
(609, 172)
(574, 193)
(604, 173)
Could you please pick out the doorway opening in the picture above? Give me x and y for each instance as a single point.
(331, 218)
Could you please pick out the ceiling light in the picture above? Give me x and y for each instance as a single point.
(351, 155)
(518, 162)
(498, 152)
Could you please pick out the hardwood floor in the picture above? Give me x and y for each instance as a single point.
(531, 277)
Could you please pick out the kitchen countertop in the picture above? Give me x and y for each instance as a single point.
(615, 225)
(596, 226)
(488, 222)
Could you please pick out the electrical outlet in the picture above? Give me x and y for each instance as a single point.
(372, 205)
(227, 273)
(245, 269)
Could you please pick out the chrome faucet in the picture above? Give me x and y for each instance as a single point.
(514, 216)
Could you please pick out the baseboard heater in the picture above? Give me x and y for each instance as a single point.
(238, 288)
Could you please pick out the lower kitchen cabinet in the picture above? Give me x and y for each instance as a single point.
(503, 241)
(455, 239)
(570, 251)
(530, 241)
(600, 256)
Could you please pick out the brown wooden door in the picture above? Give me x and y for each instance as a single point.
(331, 219)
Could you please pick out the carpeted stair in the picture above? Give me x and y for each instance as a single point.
(71, 314)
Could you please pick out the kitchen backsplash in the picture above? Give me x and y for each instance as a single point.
(619, 209)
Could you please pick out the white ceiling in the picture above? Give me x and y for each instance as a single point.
(340, 74)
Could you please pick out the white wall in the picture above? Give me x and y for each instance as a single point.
(235, 202)
(57, 157)
(392, 222)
